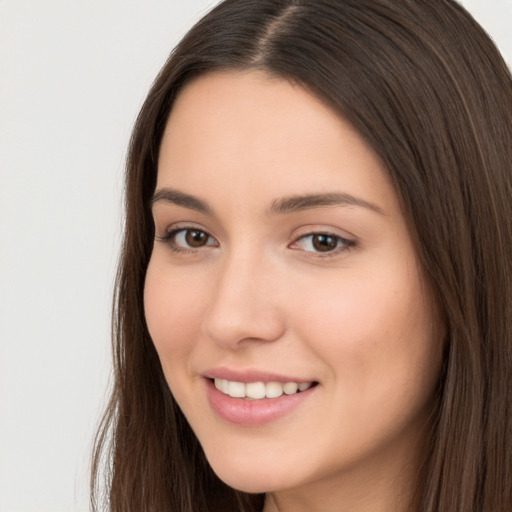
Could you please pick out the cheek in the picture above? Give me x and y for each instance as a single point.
(174, 311)
(375, 331)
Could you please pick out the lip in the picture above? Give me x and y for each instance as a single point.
(253, 413)
(251, 375)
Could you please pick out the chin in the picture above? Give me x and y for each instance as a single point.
(247, 478)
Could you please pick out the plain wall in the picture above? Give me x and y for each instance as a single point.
(72, 78)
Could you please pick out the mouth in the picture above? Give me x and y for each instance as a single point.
(260, 390)
(252, 399)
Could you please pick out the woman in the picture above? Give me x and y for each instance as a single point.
(314, 302)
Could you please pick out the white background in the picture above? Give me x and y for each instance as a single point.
(72, 78)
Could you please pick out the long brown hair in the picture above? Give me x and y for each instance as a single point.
(426, 87)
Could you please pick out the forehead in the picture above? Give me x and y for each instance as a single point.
(248, 132)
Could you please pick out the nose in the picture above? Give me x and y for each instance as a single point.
(245, 306)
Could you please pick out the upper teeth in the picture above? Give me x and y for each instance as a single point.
(258, 390)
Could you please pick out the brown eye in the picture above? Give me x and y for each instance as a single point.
(320, 243)
(324, 242)
(188, 239)
(195, 238)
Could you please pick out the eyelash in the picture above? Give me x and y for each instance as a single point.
(342, 244)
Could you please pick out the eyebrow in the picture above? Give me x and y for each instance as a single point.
(279, 206)
(309, 201)
(171, 195)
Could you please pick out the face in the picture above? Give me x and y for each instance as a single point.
(283, 273)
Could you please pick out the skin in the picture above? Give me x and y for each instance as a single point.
(357, 319)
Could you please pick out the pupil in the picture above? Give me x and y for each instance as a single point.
(196, 238)
(324, 243)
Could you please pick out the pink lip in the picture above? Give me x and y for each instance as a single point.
(250, 376)
(252, 413)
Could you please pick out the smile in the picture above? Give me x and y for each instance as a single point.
(259, 390)
(274, 399)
